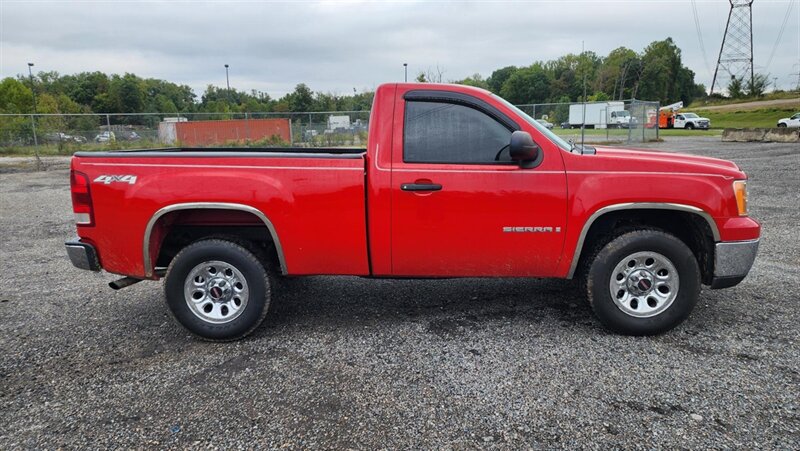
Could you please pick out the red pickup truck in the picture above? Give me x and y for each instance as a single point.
(454, 182)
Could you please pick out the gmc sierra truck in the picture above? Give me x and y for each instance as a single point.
(454, 182)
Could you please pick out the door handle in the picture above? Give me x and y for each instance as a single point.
(421, 187)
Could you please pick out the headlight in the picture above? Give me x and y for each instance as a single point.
(740, 189)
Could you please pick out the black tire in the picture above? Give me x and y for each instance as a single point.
(689, 126)
(601, 270)
(256, 277)
(781, 125)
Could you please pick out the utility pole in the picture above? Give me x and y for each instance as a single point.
(405, 69)
(33, 119)
(797, 87)
(736, 51)
(774, 83)
(33, 91)
(228, 82)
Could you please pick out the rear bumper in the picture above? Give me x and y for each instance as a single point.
(82, 255)
(732, 262)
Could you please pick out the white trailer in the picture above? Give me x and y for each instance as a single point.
(338, 123)
(599, 115)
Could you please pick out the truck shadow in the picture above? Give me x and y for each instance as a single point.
(448, 306)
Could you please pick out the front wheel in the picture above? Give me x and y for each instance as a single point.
(217, 289)
(689, 126)
(781, 125)
(643, 282)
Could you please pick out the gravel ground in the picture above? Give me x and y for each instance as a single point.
(357, 363)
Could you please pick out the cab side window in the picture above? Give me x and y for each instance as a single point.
(439, 132)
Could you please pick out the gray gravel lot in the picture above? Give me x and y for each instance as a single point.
(357, 363)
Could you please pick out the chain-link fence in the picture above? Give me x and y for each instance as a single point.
(596, 122)
(626, 121)
(67, 133)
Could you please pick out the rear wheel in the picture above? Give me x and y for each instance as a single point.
(217, 289)
(781, 125)
(643, 282)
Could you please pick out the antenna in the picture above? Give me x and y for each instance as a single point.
(736, 51)
(583, 124)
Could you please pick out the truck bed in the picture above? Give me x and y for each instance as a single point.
(312, 198)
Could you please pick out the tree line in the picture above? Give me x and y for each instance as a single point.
(655, 73)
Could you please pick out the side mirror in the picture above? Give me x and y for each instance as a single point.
(523, 150)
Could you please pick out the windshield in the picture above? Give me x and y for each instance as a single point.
(690, 115)
(541, 128)
(622, 113)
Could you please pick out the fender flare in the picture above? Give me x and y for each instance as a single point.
(636, 206)
(148, 267)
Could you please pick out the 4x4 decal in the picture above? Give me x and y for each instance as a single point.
(108, 179)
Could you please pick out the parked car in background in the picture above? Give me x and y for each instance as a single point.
(105, 137)
(548, 125)
(565, 124)
(129, 136)
(63, 137)
(793, 121)
(691, 121)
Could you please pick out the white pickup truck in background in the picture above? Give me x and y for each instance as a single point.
(793, 121)
(691, 121)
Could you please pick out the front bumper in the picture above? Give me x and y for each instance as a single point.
(82, 255)
(732, 262)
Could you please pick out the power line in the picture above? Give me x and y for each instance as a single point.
(780, 34)
(700, 37)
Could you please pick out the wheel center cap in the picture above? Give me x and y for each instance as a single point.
(216, 292)
(640, 282)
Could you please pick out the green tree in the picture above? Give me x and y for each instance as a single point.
(127, 93)
(527, 85)
(757, 85)
(302, 99)
(474, 80)
(499, 77)
(15, 97)
(736, 88)
(617, 71)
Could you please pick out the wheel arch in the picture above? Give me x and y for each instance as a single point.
(651, 214)
(148, 244)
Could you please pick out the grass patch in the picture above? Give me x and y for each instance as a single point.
(699, 104)
(763, 118)
(63, 149)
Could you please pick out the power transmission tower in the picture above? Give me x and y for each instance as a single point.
(736, 51)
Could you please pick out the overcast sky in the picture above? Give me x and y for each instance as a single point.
(338, 46)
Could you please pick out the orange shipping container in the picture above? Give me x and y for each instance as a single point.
(204, 133)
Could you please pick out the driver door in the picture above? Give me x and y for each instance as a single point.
(461, 207)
